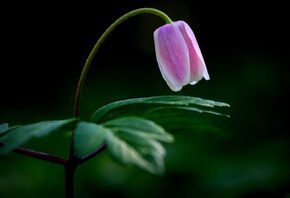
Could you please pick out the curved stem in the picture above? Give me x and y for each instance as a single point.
(97, 46)
(71, 164)
(101, 40)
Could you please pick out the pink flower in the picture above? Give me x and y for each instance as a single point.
(178, 55)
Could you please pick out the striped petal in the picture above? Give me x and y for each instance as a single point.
(198, 68)
(172, 56)
(178, 55)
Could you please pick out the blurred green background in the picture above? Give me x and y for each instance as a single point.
(246, 49)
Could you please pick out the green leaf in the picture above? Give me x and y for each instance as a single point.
(135, 141)
(174, 113)
(185, 119)
(4, 127)
(140, 127)
(88, 137)
(141, 106)
(16, 136)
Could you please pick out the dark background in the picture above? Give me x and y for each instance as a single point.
(245, 47)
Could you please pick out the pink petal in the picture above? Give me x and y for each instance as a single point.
(198, 68)
(172, 56)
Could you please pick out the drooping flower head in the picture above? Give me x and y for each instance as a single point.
(178, 55)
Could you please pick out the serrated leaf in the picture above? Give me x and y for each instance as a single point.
(140, 106)
(18, 135)
(135, 141)
(4, 127)
(88, 137)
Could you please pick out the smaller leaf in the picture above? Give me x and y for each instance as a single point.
(16, 136)
(140, 127)
(135, 141)
(4, 127)
(88, 137)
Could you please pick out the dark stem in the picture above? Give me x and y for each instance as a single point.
(92, 154)
(39, 155)
(69, 169)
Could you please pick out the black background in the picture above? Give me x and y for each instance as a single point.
(245, 46)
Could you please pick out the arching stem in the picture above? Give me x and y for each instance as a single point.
(72, 164)
(101, 40)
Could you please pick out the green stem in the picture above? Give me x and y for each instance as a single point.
(71, 164)
(101, 40)
(97, 46)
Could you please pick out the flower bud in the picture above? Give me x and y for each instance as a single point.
(178, 55)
